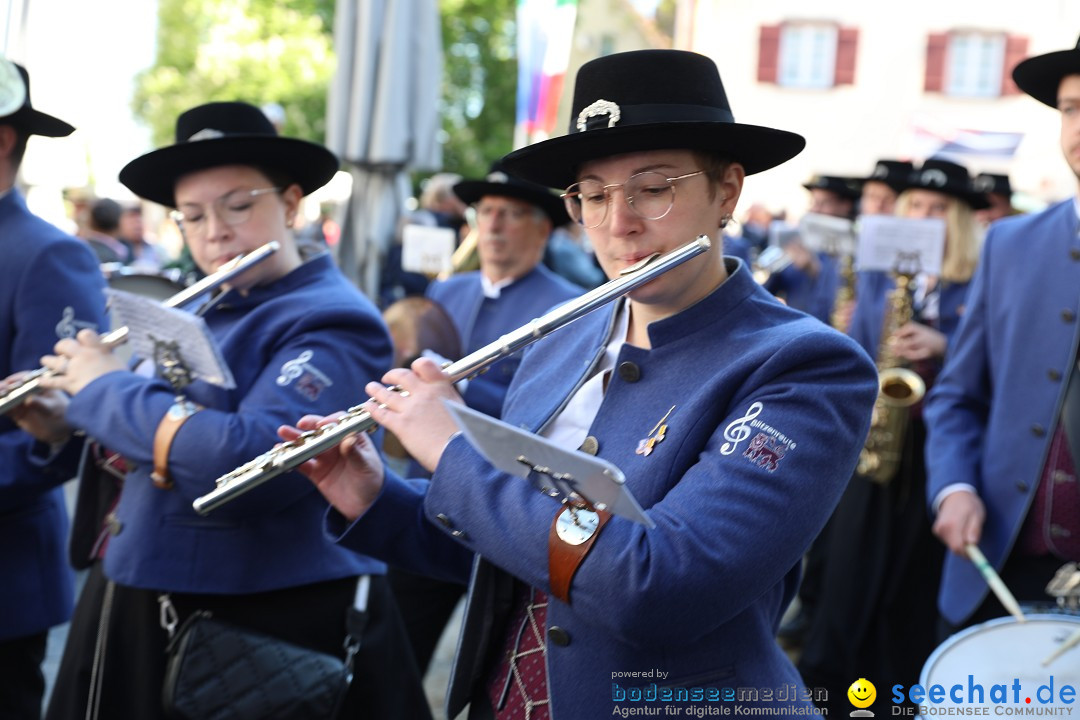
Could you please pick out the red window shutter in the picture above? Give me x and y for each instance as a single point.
(768, 67)
(936, 46)
(1015, 50)
(847, 41)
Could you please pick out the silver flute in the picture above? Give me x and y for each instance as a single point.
(287, 456)
(31, 384)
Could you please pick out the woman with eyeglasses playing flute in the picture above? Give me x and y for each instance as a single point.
(736, 421)
(297, 338)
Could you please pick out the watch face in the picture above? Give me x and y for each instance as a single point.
(12, 89)
(575, 526)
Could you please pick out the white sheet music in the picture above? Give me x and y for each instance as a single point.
(148, 321)
(595, 479)
(827, 234)
(426, 249)
(896, 244)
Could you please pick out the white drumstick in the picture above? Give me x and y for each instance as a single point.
(1070, 642)
(994, 581)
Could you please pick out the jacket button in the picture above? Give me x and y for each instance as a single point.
(629, 372)
(1075, 253)
(1053, 374)
(443, 520)
(558, 636)
(1068, 315)
(1038, 430)
(1021, 486)
(590, 446)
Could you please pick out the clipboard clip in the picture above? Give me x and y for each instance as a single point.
(561, 486)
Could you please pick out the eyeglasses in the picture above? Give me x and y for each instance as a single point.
(233, 208)
(650, 195)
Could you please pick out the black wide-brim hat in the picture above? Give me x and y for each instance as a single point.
(845, 187)
(15, 84)
(1040, 76)
(500, 183)
(993, 184)
(226, 133)
(947, 177)
(894, 173)
(650, 100)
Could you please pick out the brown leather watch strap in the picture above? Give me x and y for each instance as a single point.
(573, 532)
(177, 415)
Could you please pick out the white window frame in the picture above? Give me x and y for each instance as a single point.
(974, 63)
(808, 55)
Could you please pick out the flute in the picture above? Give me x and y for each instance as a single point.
(287, 456)
(31, 384)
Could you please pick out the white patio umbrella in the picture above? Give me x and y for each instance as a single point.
(382, 119)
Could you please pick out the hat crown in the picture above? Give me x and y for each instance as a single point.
(14, 87)
(222, 119)
(938, 173)
(648, 86)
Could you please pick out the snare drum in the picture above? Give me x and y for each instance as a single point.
(1003, 650)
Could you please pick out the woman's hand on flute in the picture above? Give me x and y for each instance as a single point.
(414, 409)
(349, 476)
(79, 362)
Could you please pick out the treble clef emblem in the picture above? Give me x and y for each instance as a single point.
(66, 327)
(293, 368)
(737, 431)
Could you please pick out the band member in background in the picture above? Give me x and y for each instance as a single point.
(50, 287)
(705, 390)
(999, 194)
(1004, 417)
(882, 620)
(296, 336)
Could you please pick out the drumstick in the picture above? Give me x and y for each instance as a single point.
(1070, 642)
(995, 582)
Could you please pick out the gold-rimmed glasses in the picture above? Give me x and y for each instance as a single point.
(650, 195)
(233, 208)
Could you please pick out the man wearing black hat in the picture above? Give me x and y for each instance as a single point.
(811, 281)
(706, 391)
(1004, 417)
(999, 193)
(50, 287)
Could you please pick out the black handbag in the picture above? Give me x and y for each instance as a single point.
(218, 671)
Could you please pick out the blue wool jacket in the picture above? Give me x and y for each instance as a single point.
(50, 288)
(770, 409)
(872, 288)
(480, 320)
(813, 295)
(306, 343)
(995, 406)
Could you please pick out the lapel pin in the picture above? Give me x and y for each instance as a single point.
(656, 435)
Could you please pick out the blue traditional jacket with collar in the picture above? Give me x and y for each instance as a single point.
(992, 413)
(769, 409)
(50, 288)
(305, 344)
(480, 320)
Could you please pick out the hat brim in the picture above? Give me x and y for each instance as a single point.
(35, 122)
(847, 193)
(1040, 76)
(153, 176)
(470, 191)
(554, 162)
(975, 200)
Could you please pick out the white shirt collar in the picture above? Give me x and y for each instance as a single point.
(492, 290)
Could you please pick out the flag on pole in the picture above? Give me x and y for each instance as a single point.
(545, 31)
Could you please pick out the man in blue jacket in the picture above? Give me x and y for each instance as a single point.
(50, 287)
(1004, 417)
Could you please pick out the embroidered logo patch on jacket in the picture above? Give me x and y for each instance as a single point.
(767, 448)
(69, 326)
(304, 377)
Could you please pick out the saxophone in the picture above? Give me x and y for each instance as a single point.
(898, 389)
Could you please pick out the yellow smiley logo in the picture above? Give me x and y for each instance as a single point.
(862, 693)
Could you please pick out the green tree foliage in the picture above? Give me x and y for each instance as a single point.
(259, 51)
(479, 39)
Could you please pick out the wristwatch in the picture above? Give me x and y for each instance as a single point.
(573, 532)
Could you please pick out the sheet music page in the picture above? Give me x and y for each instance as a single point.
(148, 320)
(502, 444)
(426, 249)
(906, 245)
(827, 234)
